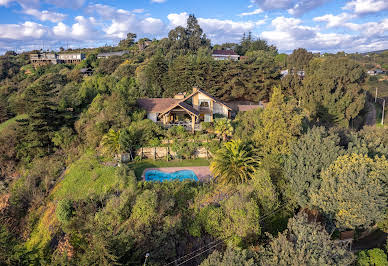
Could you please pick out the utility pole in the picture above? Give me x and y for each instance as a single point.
(382, 115)
(376, 96)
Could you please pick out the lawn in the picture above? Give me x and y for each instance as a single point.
(85, 177)
(139, 167)
(11, 121)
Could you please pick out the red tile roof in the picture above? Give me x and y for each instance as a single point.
(156, 105)
(224, 52)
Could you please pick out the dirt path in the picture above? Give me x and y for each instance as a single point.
(370, 118)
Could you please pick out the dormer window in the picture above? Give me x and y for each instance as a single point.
(204, 104)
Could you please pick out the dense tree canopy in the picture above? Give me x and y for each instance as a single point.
(305, 243)
(332, 90)
(311, 154)
(353, 190)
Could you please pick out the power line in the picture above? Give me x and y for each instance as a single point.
(219, 241)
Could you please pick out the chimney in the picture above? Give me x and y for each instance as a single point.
(179, 96)
(195, 89)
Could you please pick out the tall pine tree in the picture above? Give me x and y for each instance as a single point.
(44, 118)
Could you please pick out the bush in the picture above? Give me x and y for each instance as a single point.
(64, 210)
(376, 257)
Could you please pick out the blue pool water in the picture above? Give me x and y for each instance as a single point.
(155, 175)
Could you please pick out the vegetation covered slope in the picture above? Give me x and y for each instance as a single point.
(65, 200)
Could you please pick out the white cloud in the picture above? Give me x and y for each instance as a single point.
(301, 7)
(289, 34)
(152, 26)
(335, 21)
(22, 3)
(26, 31)
(158, 1)
(178, 19)
(366, 6)
(254, 12)
(216, 29)
(61, 30)
(294, 7)
(45, 15)
(138, 10)
(67, 4)
(84, 28)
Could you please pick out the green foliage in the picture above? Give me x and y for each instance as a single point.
(376, 257)
(332, 90)
(85, 177)
(236, 220)
(129, 41)
(299, 59)
(43, 117)
(311, 154)
(231, 256)
(111, 142)
(64, 210)
(246, 123)
(352, 190)
(234, 163)
(11, 121)
(223, 128)
(144, 211)
(306, 243)
(280, 125)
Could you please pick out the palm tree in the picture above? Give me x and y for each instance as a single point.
(223, 127)
(111, 142)
(234, 163)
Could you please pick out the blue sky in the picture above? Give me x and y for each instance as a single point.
(317, 25)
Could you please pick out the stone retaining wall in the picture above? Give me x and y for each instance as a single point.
(164, 152)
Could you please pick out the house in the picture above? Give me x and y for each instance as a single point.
(143, 43)
(374, 72)
(53, 58)
(109, 54)
(86, 71)
(188, 111)
(71, 58)
(225, 55)
(44, 59)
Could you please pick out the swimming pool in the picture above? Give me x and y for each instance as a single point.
(155, 175)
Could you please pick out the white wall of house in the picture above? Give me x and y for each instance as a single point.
(152, 116)
(220, 109)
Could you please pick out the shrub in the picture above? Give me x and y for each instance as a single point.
(64, 210)
(371, 257)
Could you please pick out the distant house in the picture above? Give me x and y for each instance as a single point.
(225, 55)
(143, 43)
(44, 59)
(86, 71)
(188, 111)
(374, 72)
(285, 72)
(109, 54)
(72, 58)
(53, 58)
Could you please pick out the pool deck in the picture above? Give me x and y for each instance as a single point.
(202, 172)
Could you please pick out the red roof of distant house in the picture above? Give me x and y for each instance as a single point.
(224, 52)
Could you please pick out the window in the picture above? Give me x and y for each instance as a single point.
(204, 104)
